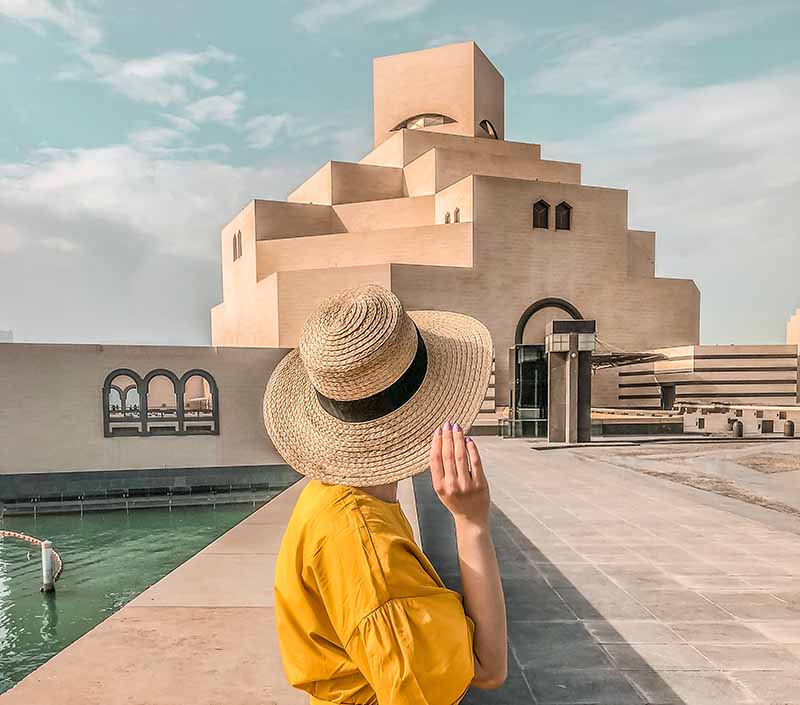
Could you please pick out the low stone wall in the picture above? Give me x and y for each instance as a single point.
(106, 489)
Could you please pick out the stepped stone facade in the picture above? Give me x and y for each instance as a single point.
(442, 212)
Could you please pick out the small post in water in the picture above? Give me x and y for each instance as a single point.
(48, 584)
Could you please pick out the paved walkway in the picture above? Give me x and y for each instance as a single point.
(624, 588)
(768, 470)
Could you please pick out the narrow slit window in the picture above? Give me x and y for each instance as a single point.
(541, 215)
(563, 216)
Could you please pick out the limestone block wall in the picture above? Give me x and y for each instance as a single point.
(237, 274)
(641, 253)
(453, 165)
(345, 182)
(404, 146)
(382, 215)
(279, 219)
(63, 431)
(458, 196)
(428, 244)
(419, 176)
(300, 291)
(250, 319)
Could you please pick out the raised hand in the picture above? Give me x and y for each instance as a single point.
(461, 486)
(458, 476)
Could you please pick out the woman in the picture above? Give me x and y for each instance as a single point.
(371, 396)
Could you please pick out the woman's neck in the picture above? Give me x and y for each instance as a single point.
(387, 492)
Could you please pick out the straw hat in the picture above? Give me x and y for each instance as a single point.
(357, 402)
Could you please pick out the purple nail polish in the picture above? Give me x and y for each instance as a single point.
(438, 431)
(457, 428)
(468, 439)
(447, 426)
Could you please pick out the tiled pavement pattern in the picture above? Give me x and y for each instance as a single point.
(627, 589)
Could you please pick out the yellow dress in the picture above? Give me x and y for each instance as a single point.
(362, 617)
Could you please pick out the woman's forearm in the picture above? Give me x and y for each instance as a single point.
(483, 601)
(461, 485)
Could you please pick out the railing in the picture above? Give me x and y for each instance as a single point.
(58, 564)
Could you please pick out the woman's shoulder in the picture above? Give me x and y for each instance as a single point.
(339, 515)
(323, 511)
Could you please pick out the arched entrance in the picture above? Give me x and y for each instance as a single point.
(536, 306)
(530, 369)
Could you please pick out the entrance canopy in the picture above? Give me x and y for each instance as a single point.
(604, 359)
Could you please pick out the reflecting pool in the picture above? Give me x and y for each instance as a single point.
(109, 558)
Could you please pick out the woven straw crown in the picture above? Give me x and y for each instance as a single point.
(357, 343)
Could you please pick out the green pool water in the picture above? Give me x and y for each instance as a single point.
(109, 558)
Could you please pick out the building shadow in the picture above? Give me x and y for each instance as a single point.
(558, 651)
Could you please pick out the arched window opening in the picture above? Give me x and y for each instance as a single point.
(418, 122)
(136, 406)
(122, 412)
(447, 217)
(541, 214)
(563, 216)
(488, 128)
(161, 403)
(239, 242)
(457, 215)
(200, 414)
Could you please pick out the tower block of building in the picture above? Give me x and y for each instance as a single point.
(450, 215)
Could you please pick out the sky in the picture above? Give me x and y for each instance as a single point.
(130, 133)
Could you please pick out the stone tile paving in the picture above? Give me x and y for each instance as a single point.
(624, 588)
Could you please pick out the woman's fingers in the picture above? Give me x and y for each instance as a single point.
(475, 463)
(437, 469)
(456, 467)
(460, 455)
(448, 458)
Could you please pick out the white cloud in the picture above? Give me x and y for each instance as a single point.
(317, 13)
(495, 37)
(60, 244)
(121, 243)
(264, 130)
(164, 79)
(156, 138)
(68, 16)
(711, 171)
(10, 238)
(181, 123)
(643, 64)
(175, 205)
(216, 108)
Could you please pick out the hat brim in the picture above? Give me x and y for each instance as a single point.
(394, 446)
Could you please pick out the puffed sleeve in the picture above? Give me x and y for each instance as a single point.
(416, 650)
